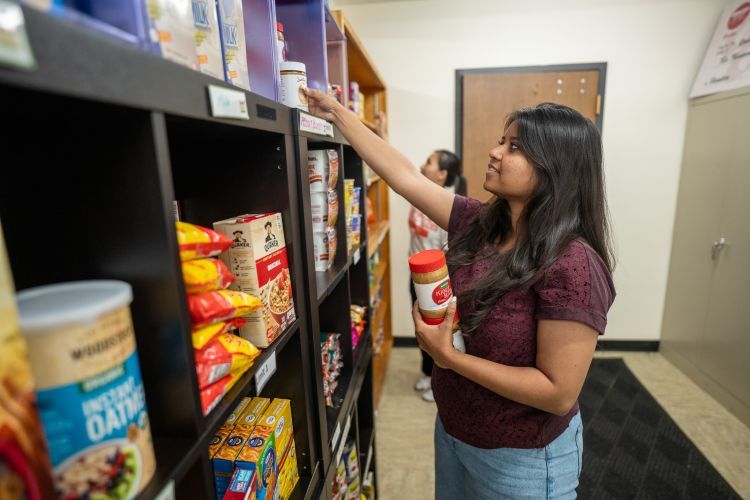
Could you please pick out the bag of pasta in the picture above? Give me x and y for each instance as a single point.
(204, 334)
(205, 275)
(220, 305)
(226, 354)
(197, 242)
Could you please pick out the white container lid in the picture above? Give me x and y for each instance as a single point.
(292, 66)
(52, 306)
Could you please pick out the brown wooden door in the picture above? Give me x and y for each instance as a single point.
(488, 98)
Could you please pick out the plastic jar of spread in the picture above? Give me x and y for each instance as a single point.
(293, 80)
(429, 272)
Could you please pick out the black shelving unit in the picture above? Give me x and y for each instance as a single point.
(101, 139)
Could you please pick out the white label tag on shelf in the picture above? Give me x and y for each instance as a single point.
(347, 427)
(315, 125)
(15, 49)
(356, 257)
(227, 103)
(335, 436)
(265, 372)
(167, 493)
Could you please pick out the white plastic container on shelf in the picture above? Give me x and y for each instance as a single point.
(91, 399)
(293, 80)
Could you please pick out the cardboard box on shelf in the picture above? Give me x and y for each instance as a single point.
(259, 455)
(278, 417)
(226, 427)
(258, 259)
(288, 472)
(243, 486)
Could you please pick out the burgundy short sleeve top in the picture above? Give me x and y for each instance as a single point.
(577, 287)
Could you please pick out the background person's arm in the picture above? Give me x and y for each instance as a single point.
(400, 174)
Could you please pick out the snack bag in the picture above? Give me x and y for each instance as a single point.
(205, 275)
(211, 395)
(220, 305)
(197, 242)
(201, 336)
(227, 354)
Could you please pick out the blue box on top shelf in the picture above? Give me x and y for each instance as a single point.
(233, 43)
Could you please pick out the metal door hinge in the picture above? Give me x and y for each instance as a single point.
(717, 247)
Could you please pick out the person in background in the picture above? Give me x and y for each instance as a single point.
(531, 270)
(444, 169)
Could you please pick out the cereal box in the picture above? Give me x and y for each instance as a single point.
(172, 29)
(224, 459)
(278, 417)
(244, 485)
(258, 258)
(233, 43)
(207, 39)
(259, 454)
(288, 473)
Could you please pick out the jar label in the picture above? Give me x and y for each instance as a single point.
(434, 296)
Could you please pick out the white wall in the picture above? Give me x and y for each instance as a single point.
(653, 49)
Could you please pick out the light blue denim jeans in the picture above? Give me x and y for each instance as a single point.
(465, 472)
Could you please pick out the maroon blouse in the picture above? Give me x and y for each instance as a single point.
(577, 287)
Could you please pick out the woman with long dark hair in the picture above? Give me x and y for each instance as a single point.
(532, 272)
(444, 169)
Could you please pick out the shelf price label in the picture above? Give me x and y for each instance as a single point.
(167, 493)
(227, 103)
(315, 125)
(356, 257)
(265, 372)
(335, 438)
(15, 49)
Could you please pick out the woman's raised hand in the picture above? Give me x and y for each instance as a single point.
(322, 105)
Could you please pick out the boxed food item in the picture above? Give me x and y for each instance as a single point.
(223, 432)
(348, 196)
(356, 195)
(258, 259)
(207, 38)
(288, 472)
(259, 454)
(356, 231)
(321, 251)
(128, 16)
(233, 43)
(351, 461)
(243, 485)
(24, 462)
(172, 26)
(278, 417)
(225, 457)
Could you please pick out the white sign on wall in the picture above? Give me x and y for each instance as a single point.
(726, 65)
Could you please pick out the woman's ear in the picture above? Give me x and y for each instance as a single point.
(442, 175)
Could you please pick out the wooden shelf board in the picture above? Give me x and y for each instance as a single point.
(370, 125)
(379, 273)
(376, 234)
(361, 68)
(373, 180)
(380, 366)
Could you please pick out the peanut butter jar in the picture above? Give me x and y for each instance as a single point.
(429, 272)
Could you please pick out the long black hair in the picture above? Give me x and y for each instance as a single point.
(568, 203)
(449, 162)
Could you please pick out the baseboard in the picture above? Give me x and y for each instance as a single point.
(602, 345)
(405, 342)
(628, 345)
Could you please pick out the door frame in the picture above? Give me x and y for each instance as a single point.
(600, 66)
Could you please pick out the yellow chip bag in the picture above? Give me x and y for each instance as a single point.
(204, 334)
(205, 275)
(196, 242)
(227, 354)
(220, 305)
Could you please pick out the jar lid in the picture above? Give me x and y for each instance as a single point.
(433, 321)
(427, 261)
(51, 306)
(292, 66)
(279, 27)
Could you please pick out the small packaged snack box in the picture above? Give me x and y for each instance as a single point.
(226, 428)
(243, 486)
(278, 417)
(172, 30)
(259, 455)
(258, 258)
(207, 38)
(224, 460)
(233, 43)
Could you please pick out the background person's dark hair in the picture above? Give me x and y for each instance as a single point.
(568, 203)
(451, 163)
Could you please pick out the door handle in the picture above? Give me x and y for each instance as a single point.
(717, 247)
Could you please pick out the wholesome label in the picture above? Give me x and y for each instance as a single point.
(434, 296)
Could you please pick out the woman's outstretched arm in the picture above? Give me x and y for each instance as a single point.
(434, 201)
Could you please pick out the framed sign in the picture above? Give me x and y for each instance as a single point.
(726, 65)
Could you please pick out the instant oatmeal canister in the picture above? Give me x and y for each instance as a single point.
(429, 272)
(91, 398)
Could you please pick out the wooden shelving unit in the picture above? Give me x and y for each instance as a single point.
(119, 147)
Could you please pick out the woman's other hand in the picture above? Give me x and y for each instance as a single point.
(436, 340)
(322, 105)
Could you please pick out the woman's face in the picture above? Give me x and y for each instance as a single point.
(432, 171)
(510, 175)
